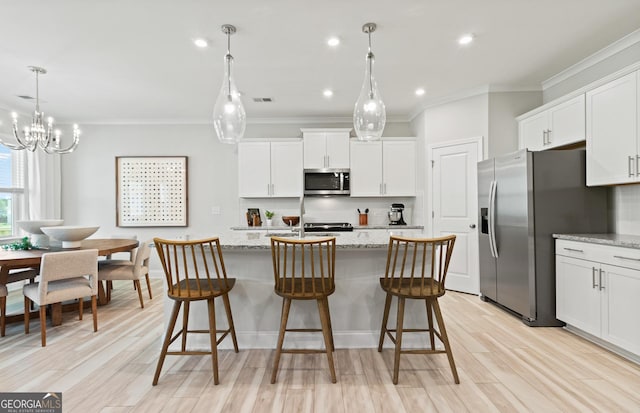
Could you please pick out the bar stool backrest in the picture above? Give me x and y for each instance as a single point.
(304, 268)
(193, 268)
(417, 267)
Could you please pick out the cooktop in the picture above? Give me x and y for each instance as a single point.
(324, 227)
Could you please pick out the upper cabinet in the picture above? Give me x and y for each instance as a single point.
(383, 168)
(270, 169)
(613, 141)
(556, 125)
(326, 148)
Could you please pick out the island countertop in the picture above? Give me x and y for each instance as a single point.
(260, 239)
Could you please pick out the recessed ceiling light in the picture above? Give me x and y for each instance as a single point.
(419, 91)
(201, 43)
(333, 41)
(327, 93)
(465, 39)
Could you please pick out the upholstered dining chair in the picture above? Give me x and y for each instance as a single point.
(304, 269)
(195, 271)
(15, 275)
(416, 269)
(110, 260)
(64, 276)
(129, 270)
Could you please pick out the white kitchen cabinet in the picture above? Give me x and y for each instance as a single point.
(383, 168)
(613, 154)
(558, 125)
(326, 148)
(270, 169)
(597, 290)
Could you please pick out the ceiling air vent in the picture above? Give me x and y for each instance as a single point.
(262, 99)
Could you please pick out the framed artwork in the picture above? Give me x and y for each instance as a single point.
(151, 191)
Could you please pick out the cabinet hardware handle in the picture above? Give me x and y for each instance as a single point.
(637, 165)
(268, 189)
(573, 249)
(544, 137)
(626, 258)
(630, 166)
(548, 136)
(472, 226)
(593, 277)
(600, 279)
(273, 190)
(380, 188)
(385, 188)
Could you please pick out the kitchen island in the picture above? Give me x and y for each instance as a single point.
(356, 306)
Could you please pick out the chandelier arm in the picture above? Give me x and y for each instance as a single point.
(12, 146)
(25, 143)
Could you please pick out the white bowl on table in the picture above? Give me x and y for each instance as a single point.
(33, 227)
(71, 236)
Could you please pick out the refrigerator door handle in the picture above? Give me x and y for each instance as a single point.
(492, 219)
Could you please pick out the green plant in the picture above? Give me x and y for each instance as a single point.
(23, 244)
(269, 214)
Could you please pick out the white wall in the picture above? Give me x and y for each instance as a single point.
(504, 107)
(89, 191)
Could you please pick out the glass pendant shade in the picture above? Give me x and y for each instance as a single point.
(369, 114)
(229, 117)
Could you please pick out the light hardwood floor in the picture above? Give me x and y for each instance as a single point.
(503, 366)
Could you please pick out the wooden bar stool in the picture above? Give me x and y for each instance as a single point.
(195, 271)
(303, 269)
(416, 269)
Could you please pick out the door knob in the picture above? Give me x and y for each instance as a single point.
(472, 226)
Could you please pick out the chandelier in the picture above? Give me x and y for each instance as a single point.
(369, 114)
(39, 135)
(229, 117)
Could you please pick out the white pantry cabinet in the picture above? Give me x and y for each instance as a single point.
(326, 148)
(383, 168)
(613, 140)
(270, 169)
(558, 125)
(597, 290)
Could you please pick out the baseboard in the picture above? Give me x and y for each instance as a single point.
(605, 344)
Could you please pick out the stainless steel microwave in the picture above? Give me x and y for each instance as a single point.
(326, 182)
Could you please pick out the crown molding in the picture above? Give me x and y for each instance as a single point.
(602, 54)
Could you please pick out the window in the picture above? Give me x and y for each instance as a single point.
(12, 199)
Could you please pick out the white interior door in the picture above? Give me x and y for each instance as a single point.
(454, 196)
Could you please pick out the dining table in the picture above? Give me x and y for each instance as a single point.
(20, 259)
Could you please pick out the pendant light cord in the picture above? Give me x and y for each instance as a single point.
(229, 57)
(370, 62)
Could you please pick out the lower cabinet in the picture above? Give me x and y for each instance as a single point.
(598, 290)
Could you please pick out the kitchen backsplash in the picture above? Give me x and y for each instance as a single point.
(330, 209)
(626, 204)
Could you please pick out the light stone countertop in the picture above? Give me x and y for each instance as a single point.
(259, 239)
(618, 240)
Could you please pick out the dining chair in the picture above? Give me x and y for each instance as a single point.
(3, 308)
(109, 260)
(304, 269)
(195, 271)
(416, 269)
(64, 276)
(128, 270)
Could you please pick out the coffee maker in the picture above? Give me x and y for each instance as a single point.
(395, 215)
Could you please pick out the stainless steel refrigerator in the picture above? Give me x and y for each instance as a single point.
(523, 198)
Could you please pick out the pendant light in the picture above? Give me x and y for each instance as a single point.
(369, 115)
(229, 117)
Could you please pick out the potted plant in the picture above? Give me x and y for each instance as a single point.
(269, 215)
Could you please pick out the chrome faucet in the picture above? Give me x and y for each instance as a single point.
(300, 229)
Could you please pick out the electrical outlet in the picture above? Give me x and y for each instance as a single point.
(215, 210)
